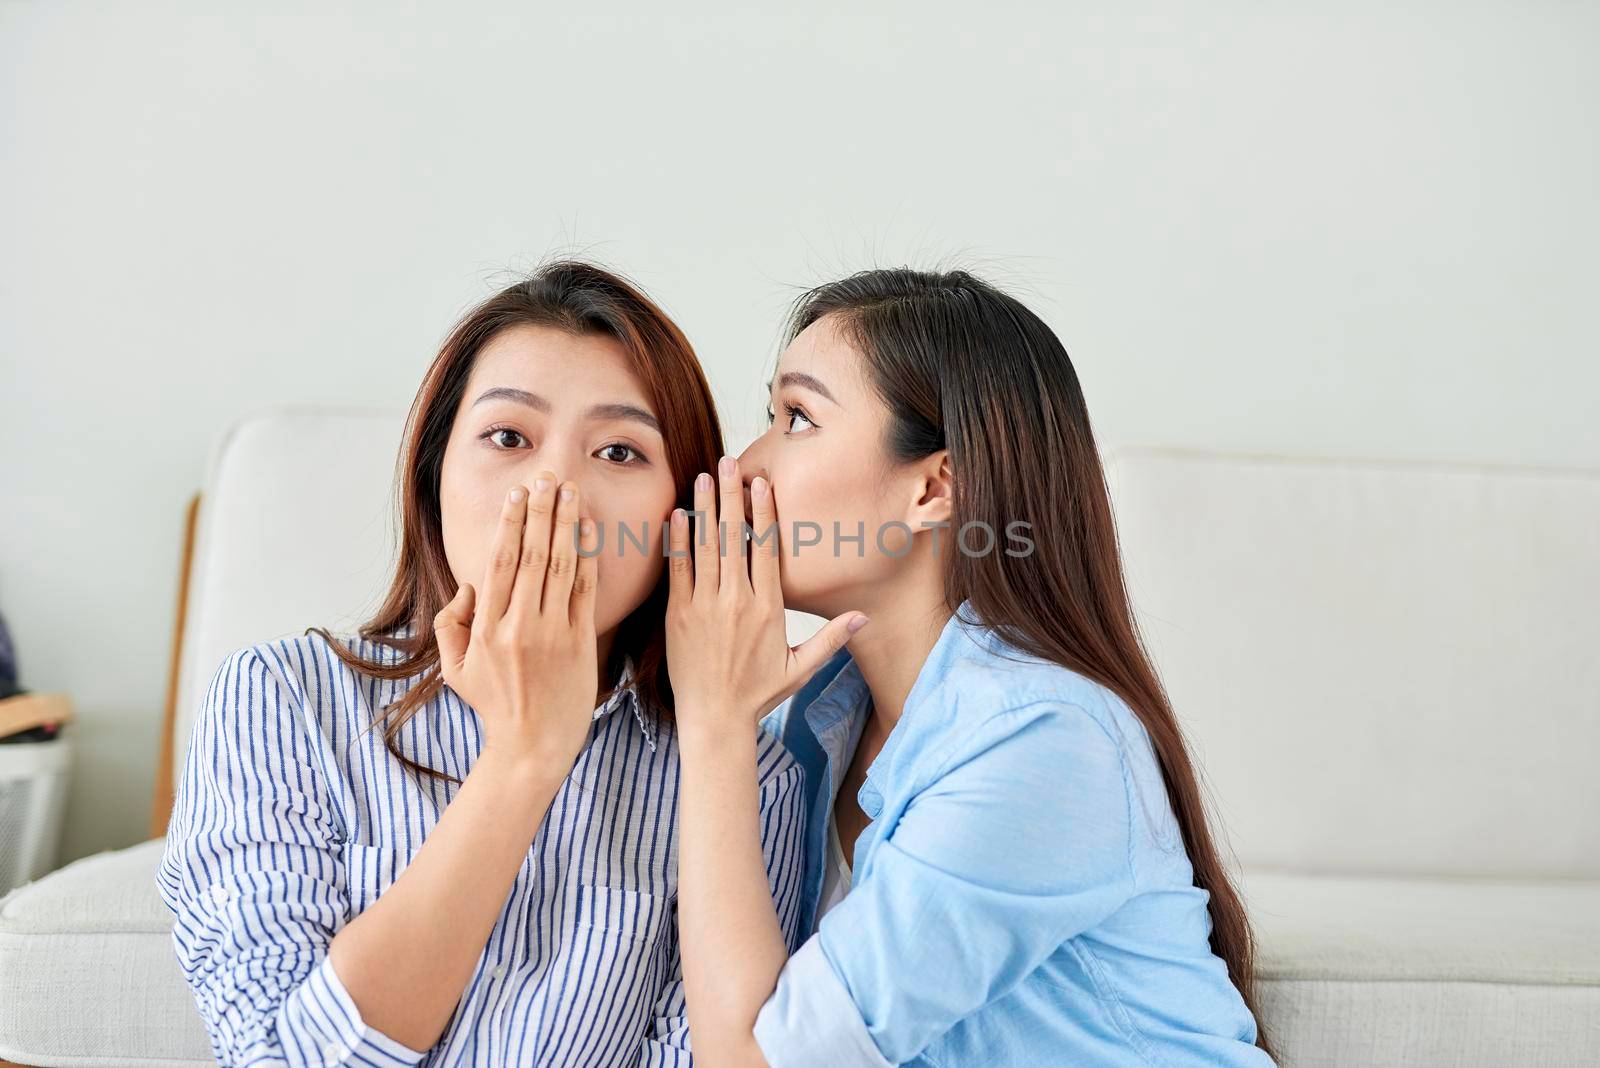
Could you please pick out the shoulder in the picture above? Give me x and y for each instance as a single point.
(986, 686)
(1029, 727)
(1048, 728)
(310, 667)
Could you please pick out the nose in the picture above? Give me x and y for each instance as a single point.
(751, 464)
(557, 457)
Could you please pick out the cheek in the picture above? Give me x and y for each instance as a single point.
(812, 496)
(823, 492)
(469, 507)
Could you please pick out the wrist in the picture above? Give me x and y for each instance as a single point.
(525, 764)
(717, 736)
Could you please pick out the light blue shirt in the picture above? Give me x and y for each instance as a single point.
(291, 818)
(1022, 896)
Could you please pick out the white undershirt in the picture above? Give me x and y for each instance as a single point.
(836, 880)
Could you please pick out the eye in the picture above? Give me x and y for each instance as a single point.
(609, 452)
(495, 433)
(795, 414)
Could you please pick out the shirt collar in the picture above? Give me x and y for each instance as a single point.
(834, 704)
(627, 693)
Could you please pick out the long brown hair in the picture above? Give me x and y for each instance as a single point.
(963, 366)
(582, 299)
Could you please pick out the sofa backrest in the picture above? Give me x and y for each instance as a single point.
(297, 528)
(1382, 667)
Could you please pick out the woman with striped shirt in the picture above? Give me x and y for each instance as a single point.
(488, 878)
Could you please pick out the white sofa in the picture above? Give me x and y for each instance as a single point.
(1389, 674)
(1384, 668)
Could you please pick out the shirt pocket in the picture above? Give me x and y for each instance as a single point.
(369, 870)
(610, 969)
(633, 915)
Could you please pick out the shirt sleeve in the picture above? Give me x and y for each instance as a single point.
(782, 806)
(253, 873)
(1020, 843)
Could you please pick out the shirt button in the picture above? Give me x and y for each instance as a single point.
(219, 893)
(499, 971)
(333, 1052)
(871, 800)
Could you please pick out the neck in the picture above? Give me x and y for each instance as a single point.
(890, 651)
(603, 644)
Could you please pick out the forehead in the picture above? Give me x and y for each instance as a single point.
(548, 361)
(826, 352)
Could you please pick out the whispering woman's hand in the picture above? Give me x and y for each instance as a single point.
(727, 649)
(522, 653)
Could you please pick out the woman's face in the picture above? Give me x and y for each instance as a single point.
(826, 459)
(541, 399)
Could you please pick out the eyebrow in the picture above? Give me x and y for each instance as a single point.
(618, 410)
(804, 381)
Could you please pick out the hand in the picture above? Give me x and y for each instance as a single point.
(523, 654)
(727, 649)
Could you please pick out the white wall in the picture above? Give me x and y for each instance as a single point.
(1363, 234)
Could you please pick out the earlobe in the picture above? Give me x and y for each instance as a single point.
(937, 510)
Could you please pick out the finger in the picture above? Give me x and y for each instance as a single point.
(730, 506)
(811, 654)
(765, 578)
(500, 575)
(535, 552)
(586, 577)
(707, 566)
(452, 629)
(563, 553)
(680, 565)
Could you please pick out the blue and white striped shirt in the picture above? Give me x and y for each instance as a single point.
(291, 818)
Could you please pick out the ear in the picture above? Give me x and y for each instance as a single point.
(934, 489)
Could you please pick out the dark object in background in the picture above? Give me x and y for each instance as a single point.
(8, 664)
(43, 733)
(24, 717)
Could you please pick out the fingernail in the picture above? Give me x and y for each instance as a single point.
(758, 487)
(587, 526)
(725, 466)
(678, 516)
(566, 493)
(702, 482)
(541, 484)
(516, 494)
(856, 624)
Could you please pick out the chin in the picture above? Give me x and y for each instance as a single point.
(813, 602)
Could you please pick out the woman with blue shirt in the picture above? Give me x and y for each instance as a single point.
(1008, 863)
(489, 879)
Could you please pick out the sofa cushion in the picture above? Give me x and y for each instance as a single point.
(87, 971)
(1402, 971)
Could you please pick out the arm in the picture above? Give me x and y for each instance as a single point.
(408, 957)
(253, 865)
(731, 663)
(1020, 843)
(778, 794)
(737, 946)
(253, 868)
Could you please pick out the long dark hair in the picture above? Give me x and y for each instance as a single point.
(583, 299)
(965, 367)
